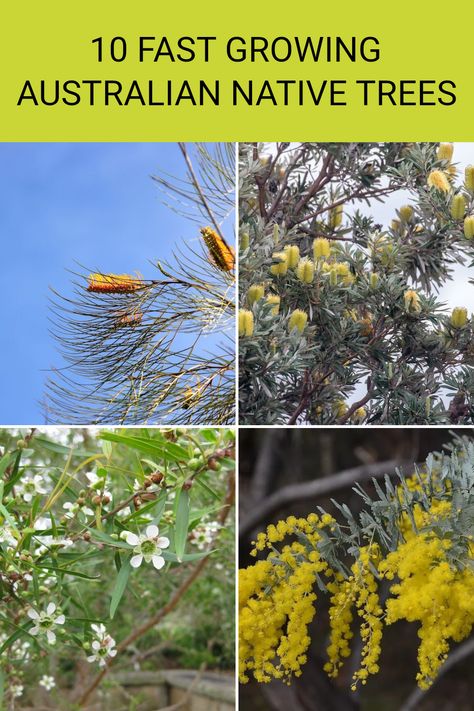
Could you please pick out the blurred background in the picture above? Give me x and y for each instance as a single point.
(286, 471)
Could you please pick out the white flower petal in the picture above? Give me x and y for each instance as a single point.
(27, 497)
(51, 608)
(60, 620)
(32, 614)
(91, 658)
(51, 636)
(152, 531)
(131, 538)
(158, 561)
(95, 645)
(163, 542)
(34, 631)
(136, 560)
(112, 652)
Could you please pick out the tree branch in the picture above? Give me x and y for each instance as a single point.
(314, 489)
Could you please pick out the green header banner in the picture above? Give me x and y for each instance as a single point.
(154, 71)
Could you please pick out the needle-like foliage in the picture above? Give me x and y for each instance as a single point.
(162, 348)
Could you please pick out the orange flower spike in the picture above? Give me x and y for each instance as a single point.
(221, 254)
(113, 283)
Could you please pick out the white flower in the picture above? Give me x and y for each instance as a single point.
(123, 513)
(30, 486)
(98, 484)
(16, 690)
(47, 682)
(7, 536)
(73, 509)
(103, 646)
(147, 546)
(45, 621)
(203, 534)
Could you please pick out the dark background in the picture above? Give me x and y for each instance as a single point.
(278, 462)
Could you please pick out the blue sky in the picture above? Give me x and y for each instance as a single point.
(94, 203)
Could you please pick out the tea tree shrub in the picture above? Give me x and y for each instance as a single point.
(109, 543)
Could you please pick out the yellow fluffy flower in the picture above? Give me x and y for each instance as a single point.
(412, 301)
(437, 179)
(246, 323)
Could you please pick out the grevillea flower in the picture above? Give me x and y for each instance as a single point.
(147, 547)
(113, 283)
(221, 254)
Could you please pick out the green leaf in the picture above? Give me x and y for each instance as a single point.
(163, 450)
(61, 449)
(119, 587)
(182, 523)
(67, 571)
(186, 557)
(207, 488)
(14, 476)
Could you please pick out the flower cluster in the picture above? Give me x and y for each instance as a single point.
(427, 565)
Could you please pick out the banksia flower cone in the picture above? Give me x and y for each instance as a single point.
(292, 252)
(221, 254)
(335, 216)
(245, 323)
(321, 248)
(297, 320)
(406, 213)
(437, 179)
(274, 299)
(458, 207)
(244, 241)
(281, 266)
(305, 270)
(445, 151)
(412, 301)
(255, 293)
(374, 280)
(113, 283)
(130, 319)
(469, 178)
(459, 317)
(469, 227)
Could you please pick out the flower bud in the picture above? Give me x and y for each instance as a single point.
(321, 248)
(437, 179)
(459, 317)
(335, 216)
(445, 151)
(469, 227)
(373, 280)
(333, 276)
(297, 320)
(275, 300)
(244, 241)
(276, 233)
(406, 213)
(305, 270)
(245, 323)
(292, 252)
(458, 207)
(255, 293)
(412, 301)
(396, 225)
(281, 266)
(469, 178)
(427, 407)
